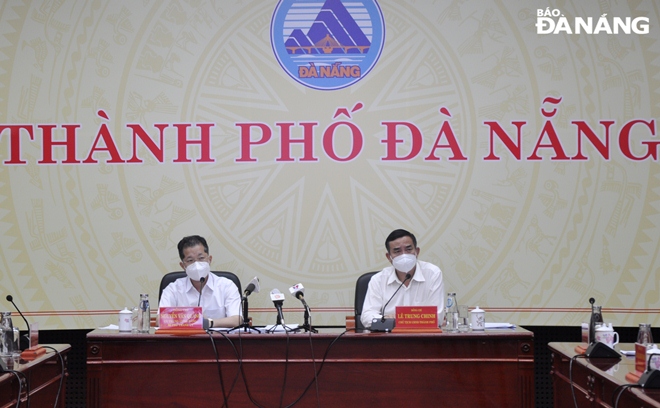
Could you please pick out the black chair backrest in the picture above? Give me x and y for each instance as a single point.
(172, 276)
(361, 287)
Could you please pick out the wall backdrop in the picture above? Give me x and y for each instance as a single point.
(517, 139)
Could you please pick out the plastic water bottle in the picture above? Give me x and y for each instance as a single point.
(144, 314)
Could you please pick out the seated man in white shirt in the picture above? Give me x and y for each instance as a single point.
(424, 287)
(220, 300)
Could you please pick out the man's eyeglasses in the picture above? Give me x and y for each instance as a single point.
(190, 261)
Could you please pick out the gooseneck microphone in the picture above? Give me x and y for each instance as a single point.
(10, 298)
(253, 286)
(383, 324)
(199, 300)
(382, 312)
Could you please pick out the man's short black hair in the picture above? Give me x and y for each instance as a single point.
(191, 241)
(399, 233)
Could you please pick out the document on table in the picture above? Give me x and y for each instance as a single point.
(500, 325)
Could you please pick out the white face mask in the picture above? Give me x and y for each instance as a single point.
(198, 270)
(404, 262)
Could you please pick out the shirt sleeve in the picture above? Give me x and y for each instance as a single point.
(437, 293)
(232, 300)
(373, 302)
(168, 297)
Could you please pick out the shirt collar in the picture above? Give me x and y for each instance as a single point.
(418, 276)
(209, 279)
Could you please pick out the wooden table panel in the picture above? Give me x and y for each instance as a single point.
(43, 380)
(595, 380)
(494, 368)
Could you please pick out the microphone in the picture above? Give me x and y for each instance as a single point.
(298, 291)
(596, 317)
(202, 280)
(278, 300)
(253, 286)
(651, 377)
(382, 312)
(10, 298)
(387, 324)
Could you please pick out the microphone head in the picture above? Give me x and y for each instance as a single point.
(255, 282)
(202, 279)
(276, 295)
(297, 290)
(408, 276)
(10, 298)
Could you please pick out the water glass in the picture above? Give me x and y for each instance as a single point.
(644, 336)
(16, 353)
(10, 342)
(463, 319)
(134, 319)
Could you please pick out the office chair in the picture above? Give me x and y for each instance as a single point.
(361, 286)
(172, 276)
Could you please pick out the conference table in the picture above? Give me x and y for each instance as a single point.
(493, 368)
(42, 377)
(596, 382)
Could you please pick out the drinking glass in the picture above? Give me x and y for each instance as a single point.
(463, 319)
(644, 336)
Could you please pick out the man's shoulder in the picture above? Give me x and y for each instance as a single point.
(179, 281)
(177, 285)
(429, 267)
(383, 274)
(221, 281)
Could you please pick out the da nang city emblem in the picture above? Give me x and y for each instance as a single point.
(327, 44)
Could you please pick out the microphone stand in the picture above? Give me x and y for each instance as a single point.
(383, 324)
(307, 326)
(246, 321)
(10, 298)
(280, 318)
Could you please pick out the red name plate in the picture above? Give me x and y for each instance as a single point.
(180, 318)
(416, 317)
(640, 357)
(640, 364)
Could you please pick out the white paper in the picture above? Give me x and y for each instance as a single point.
(110, 327)
(280, 329)
(500, 325)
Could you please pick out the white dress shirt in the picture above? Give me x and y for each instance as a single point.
(425, 289)
(220, 297)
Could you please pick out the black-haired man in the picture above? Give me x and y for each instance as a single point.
(220, 300)
(424, 287)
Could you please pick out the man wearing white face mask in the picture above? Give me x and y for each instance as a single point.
(218, 297)
(408, 282)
